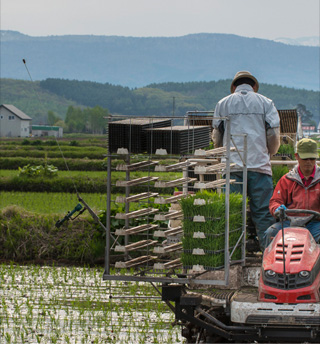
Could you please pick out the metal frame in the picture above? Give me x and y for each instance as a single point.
(182, 279)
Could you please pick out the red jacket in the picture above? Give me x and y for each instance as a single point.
(291, 192)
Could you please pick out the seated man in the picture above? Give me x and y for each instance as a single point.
(298, 189)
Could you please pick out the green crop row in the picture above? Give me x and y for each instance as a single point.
(59, 148)
(80, 164)
(55, 184)
(52, 202)
(81, 181)
(84, 153)
(72, 164)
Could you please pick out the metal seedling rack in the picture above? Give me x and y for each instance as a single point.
(148, 244)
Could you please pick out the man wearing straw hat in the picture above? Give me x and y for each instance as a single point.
(255, 115)
(299, 189)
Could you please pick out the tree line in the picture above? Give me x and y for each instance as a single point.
(88, 120)
(174, 97)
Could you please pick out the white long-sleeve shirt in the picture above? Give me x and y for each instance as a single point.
(249, 113)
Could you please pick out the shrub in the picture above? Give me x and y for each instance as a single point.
(38, 171)
(74, 143)
(36, 143)
(25, 142)
(51, 143)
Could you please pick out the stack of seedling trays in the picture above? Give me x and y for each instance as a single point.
(204, 230)
(178, 139)
(130, 133)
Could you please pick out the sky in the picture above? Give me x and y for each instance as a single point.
(267, 19)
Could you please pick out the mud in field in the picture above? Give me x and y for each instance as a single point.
(73, 305)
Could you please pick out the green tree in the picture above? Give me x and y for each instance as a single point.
(52, 118)
(97, 120)
(86, 120)
(306, 115)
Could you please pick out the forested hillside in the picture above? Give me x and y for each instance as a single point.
(163, 99)
(57, 95)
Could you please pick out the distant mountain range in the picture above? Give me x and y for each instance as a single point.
(136, 61)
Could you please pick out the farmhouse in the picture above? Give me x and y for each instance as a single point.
(14, 122)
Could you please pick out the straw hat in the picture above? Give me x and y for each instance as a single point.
(244, 74)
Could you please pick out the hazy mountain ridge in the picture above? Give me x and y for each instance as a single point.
(312, 41)
(139, 61)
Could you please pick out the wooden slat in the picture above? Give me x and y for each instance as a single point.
(135, 181)
(169, 216)
(176, 263)
(174, 167)
(135, 166)
(173, 231)
(137, 213)
(135, 230)
(169, 232)
(212, 168)
(212, 152)
(136, 245)
(212, 185)
(136, 198)
(168, 249)
(172, 199)
(163, 184)
(135, 262)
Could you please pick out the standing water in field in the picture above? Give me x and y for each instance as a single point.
(73, 305)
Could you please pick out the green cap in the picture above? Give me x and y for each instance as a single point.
(307, 148)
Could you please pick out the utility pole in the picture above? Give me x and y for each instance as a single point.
(173, 105)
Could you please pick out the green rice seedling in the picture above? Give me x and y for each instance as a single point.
(213, 229)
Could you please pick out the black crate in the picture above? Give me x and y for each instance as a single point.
(130, 133)
(177, 139)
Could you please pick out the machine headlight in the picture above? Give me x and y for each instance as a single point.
(270, 273)
(304, 274)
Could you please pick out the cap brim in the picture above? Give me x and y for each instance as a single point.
(308, 155)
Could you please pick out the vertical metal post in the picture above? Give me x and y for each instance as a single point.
(108, 222)
(244, 200)
(227, 204)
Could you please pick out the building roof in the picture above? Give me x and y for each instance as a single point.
(45, 127)
(16, 112)
(288, 121)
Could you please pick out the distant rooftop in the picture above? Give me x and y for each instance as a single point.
(45, 127)
(16, 112)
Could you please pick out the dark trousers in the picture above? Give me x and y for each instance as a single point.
(259, 191)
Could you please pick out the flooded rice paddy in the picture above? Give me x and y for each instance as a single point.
(73, 305)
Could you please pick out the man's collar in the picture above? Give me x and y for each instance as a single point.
(244, 87)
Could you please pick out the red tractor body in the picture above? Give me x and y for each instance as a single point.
(297, 279)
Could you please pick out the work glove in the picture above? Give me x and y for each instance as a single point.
(282, 206)
(280, 212)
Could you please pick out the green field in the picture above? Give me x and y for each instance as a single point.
(50, 203)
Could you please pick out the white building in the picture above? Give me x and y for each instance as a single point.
(14, 122)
